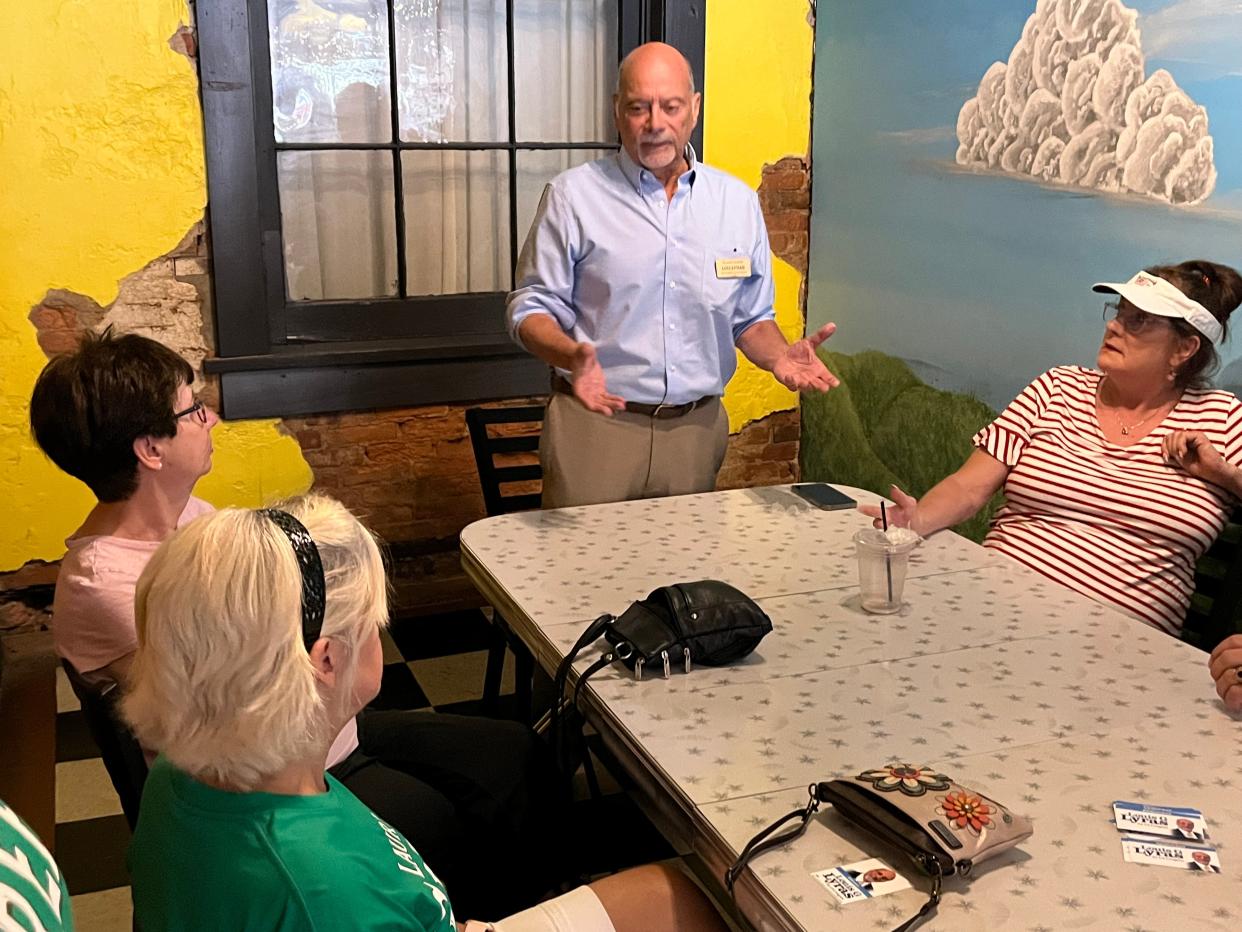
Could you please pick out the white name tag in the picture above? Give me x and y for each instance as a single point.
(733, 267)
(1174, 821)
(1169, 854)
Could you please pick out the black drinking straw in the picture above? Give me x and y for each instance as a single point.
(888, 566)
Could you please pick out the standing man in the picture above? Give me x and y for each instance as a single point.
(640, 274)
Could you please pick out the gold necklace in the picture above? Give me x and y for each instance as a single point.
(1125, 431)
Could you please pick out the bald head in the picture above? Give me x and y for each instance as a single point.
(657, 55)
(656, 108)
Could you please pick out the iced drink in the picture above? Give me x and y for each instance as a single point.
(882, 560)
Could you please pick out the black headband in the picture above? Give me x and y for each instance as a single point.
(307, 555)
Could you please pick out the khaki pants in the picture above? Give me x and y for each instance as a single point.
(589, 458)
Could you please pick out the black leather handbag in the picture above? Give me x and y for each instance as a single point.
(707, 622)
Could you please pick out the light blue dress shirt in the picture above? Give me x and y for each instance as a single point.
(619, 265)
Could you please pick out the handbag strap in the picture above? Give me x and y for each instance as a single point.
(592, 633)
(766, 840)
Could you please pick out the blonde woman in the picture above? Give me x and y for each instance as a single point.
(258, 637)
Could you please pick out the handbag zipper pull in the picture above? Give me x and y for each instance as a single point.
(685, 652)
(638, 669)
(664, 657)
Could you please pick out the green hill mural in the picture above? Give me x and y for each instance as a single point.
(884, 425)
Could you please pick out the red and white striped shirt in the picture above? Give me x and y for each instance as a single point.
(1118, 524)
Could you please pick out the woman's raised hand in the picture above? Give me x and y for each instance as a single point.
(901, 514)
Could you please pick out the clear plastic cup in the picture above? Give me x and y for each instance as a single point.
(882, 560)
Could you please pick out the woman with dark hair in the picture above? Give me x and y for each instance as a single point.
(118, 413)
(1116, 479)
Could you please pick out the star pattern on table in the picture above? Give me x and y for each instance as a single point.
(1053, 710)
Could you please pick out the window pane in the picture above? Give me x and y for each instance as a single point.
(456, 221)
(452, 70)
(565, 69)
(338, 221)
(329, 70)
(535, 169)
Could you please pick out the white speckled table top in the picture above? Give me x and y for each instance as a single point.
(1050, 703)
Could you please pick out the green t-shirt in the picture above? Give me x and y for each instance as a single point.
(205, 859)
(32, 889)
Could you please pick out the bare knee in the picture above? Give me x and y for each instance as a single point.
(654, 898)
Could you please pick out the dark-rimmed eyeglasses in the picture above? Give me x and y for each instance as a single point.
(198, 409)
(1132, 320)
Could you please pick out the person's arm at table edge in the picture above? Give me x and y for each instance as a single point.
(952, 500)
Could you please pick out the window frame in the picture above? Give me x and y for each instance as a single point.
(276, 357)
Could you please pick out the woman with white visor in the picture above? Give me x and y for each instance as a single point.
(1116, 479)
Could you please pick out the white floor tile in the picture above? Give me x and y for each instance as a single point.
(104, 911)
(83, 791)
(66, 701)
(458, 677)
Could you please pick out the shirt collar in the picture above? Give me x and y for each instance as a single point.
(638, 176)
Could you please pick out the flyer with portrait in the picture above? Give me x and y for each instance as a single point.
(851, 883)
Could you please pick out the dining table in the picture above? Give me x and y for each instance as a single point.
(1007, 681)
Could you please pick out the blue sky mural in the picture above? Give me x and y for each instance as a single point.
(981, 276)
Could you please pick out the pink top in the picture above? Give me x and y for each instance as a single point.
(93, 609)
(1118, 524)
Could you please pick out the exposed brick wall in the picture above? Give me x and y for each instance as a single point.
(764, 452)
(785, 196)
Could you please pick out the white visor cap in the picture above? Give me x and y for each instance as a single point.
(1154, 295)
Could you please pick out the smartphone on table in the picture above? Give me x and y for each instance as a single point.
(823, 496)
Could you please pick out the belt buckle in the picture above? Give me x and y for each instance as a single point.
(655, 412)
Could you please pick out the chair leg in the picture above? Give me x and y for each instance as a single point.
(495, 670)
(523, 682)
(588, 769)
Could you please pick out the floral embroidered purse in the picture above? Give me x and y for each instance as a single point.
(943, 827)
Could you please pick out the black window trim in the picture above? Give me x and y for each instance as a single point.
(277, 358)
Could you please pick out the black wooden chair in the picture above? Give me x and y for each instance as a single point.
(518, 439)
(1216, 607)
(122, 756)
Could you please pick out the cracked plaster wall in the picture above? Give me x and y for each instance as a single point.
(102, 160)
(757, 111)
(101, 150)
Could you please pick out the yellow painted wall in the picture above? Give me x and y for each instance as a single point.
(757, 110)
(102, 168)
(101, 171)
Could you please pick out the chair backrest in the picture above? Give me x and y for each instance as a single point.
(121, 753)
(1216, 606)
(506, 443)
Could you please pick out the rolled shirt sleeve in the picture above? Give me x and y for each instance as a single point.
(1007, 436)
(756, 298)
(544, 278)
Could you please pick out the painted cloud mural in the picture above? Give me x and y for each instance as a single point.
(1072, 106)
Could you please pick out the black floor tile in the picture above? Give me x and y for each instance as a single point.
(426, 636)
(91, 853)
(73, 738)
(399, 690)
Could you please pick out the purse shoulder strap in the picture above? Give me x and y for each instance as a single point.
(768, 839)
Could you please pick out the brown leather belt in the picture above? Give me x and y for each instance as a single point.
(661, 412)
